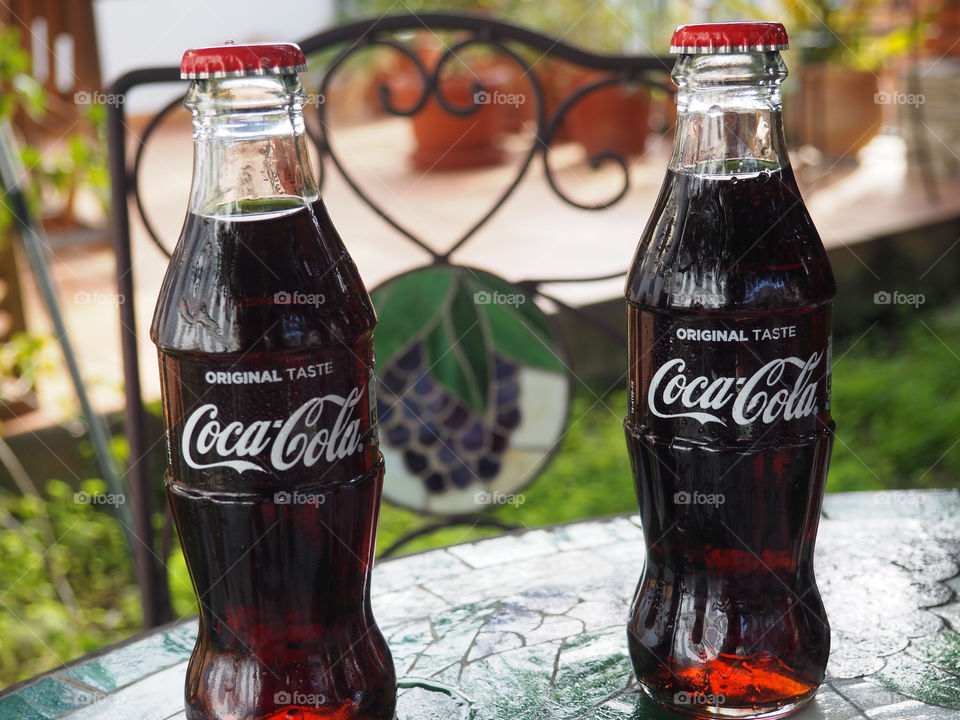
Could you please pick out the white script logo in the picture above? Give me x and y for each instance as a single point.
(299, 437)
(753, 399)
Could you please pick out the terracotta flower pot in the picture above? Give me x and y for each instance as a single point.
(944, 31)
(556, 80)
(520, 110)
(836, 110)
(611, 119)
(445, 141)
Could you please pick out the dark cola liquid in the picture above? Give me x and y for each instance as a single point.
(266, 356)
(729, 433)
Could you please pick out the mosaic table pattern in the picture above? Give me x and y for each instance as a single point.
(531, 626)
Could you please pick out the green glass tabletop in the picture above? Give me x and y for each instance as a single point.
(531, 626)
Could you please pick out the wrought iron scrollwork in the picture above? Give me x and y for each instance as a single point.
(596, 160)
(504, 39)
(135, 182)
(499, 37)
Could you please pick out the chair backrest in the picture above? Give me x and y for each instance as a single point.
(481, 385)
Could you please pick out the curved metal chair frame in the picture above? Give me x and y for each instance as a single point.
(344, 41)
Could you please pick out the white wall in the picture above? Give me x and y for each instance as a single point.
(140, 33)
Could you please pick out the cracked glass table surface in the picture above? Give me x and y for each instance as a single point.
(531, 626)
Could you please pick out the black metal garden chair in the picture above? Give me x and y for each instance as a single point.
(521, 344)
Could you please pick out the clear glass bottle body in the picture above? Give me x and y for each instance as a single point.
(728, 425)
(264, 331)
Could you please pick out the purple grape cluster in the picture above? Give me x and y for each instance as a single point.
(445, 442)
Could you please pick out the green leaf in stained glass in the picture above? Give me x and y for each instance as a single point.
(447, 368)
(408, 307)
(513, 336)
(463, 317)
(471, 341)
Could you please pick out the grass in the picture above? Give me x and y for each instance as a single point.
(895, 399)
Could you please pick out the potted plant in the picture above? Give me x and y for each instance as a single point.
(838, 105)
(614, 118)
(445, 140)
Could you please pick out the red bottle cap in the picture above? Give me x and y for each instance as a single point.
(232, 60)
(732, 37)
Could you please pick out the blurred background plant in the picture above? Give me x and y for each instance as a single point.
(617, 26)
(865, 35)
(842, 50)
(66, 579)
(65, 573)
(56, 170)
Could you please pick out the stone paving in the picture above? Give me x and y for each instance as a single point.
(531, 626)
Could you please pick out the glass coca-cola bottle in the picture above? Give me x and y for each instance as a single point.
(264, 331)
(728, 426)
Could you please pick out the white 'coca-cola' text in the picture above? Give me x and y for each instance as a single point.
(298, 439)
(753, 399)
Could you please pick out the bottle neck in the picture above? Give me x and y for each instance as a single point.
(250, 151)
(729, 114)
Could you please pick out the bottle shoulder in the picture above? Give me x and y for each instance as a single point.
(730, 244)
(259, 284)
